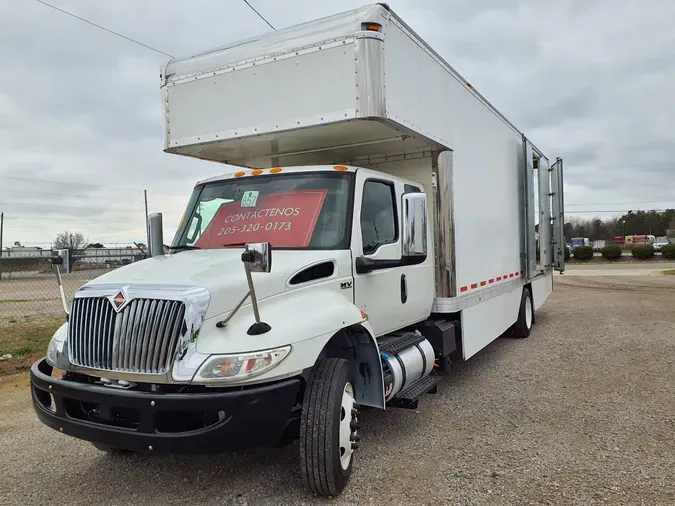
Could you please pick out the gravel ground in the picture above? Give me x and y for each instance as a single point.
(582, 413)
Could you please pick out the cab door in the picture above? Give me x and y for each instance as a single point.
(393, 291)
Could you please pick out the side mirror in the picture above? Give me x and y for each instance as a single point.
(258, 256)
(156, 234)
(414, 232)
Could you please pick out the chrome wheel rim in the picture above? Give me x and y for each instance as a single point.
(347, 418)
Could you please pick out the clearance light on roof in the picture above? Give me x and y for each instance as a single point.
(240, 174)
(340, 167)
(256, 172)
(275, 170)
(371, 27)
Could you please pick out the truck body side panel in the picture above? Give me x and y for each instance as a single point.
(249, 100)
(487, 180)
(484, 322)
(542, 287)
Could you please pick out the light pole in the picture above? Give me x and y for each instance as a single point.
(623, 225)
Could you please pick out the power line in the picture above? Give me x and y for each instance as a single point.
(104, 221)
(70, 183)
(90, 208)
(73, 195)
(591, 211)
(617, 203)
(259, 15)
(104, 28)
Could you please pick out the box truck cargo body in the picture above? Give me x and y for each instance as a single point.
(340, 263)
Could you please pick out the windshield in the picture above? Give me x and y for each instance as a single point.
(289, 211)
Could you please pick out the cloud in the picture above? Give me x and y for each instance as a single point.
(590, 81)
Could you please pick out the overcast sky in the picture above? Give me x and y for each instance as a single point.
(590, 81)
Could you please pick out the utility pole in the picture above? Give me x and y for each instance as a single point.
(147, 223)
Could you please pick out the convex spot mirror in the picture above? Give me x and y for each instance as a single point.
(258, 256)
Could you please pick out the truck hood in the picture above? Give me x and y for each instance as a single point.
(221, 272)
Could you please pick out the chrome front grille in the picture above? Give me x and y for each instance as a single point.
(141, 338)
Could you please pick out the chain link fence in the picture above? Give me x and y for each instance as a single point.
(29, 287)
(31, 308)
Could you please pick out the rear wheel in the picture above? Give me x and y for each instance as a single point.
(328, 428)
(523, 326)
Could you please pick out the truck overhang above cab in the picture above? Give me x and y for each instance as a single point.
(313, 94)
(333, 142)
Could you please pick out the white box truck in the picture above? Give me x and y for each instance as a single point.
(340, 264)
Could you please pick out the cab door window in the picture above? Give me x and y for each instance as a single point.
(378, 216)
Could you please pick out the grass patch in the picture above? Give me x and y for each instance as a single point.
(669, 272)
(14, 301)
(21, 339)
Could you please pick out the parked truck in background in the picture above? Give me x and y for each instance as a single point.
(639, 240)
(341, 265)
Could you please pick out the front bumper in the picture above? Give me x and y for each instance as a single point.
(209, 422)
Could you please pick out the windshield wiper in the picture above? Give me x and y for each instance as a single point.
(182, 247)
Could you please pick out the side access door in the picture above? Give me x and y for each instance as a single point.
(558, 216)
(394, 291)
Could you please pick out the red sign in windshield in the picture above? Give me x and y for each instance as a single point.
(282, 219)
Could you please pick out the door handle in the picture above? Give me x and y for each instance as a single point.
(404, 289)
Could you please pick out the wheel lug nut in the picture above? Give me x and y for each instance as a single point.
(355, 437)
(354, 426)
(355, 446)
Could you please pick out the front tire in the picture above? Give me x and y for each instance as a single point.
(328, 428)
(523, 326)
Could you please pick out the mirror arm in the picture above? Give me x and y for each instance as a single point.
(57, 262)
(248, 257)
(251, 291)
(222, 323)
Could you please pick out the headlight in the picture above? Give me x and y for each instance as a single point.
(52, 352)
(222, 368)
(55, 347)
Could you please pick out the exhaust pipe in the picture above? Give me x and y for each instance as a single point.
(156, 234)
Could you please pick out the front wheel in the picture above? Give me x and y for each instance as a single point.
(328, 428)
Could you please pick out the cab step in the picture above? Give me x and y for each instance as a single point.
(396, 342)
(409, 398)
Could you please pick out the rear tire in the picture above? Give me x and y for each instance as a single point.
(111, 450)
(523, 326)
(328, 428)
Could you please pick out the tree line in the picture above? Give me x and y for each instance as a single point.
(656, 223)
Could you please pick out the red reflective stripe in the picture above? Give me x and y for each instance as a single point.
(464, 289)
(474, 285)
(510, 275)
(492, 280)
(499, 278)
(483, 283)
